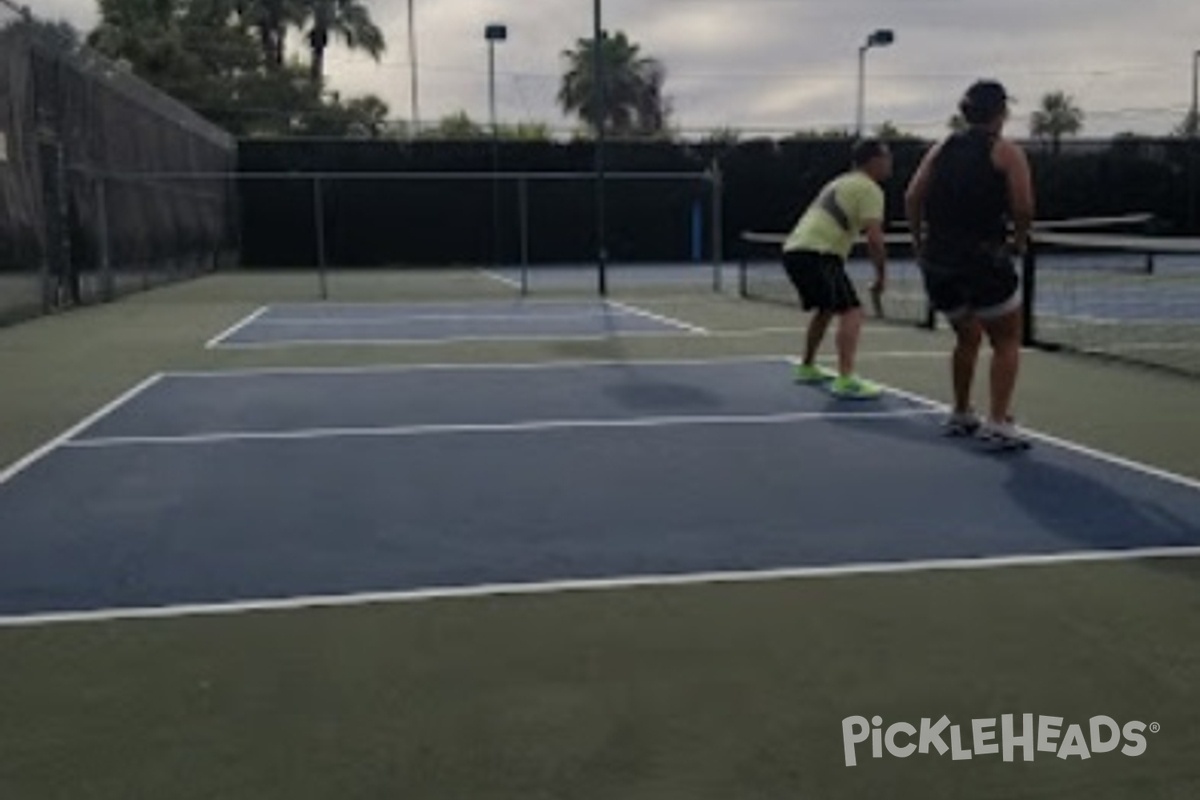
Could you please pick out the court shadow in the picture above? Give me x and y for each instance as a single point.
(1073, 496)
(1101, 512)
(643, 393)
(639, 388)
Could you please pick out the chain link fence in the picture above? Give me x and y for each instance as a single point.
(78, 223)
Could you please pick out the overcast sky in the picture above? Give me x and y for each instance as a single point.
(781, 65)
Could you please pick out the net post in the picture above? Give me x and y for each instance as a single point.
(718, 192)
(1028, 293)
(56, 255)
(930, 321)
(107, 286)
(743, 268)
(523, 221)
(319, 219)
(600, 112)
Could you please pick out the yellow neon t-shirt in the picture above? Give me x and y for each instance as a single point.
(833, 221)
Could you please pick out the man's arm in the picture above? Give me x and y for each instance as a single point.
(1011, 160)
(877, 251)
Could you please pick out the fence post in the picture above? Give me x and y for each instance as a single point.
(1028, 293)
(718, 224)
(523, 222)
(319, 214)
(107, 284)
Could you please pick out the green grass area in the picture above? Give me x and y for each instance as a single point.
(718, 691)
(664, 693)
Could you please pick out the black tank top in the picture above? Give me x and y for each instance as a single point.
(967, 204)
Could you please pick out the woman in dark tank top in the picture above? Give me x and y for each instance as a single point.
(960, 203)
(967, 204)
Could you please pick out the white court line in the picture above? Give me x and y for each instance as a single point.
(531, 426)
(868, 331)
(466, 305)
(61, 440)
(554, 587)
(217, 340)
(900, 354)
(496, 276)
(293, 343)
(743, 578)
(665, 320)
(1135, 347)
(402, 318)
(1099, 455)
(797, 332)
(377, 369)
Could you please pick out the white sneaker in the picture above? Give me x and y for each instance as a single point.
(1001, 437)
(960, 424)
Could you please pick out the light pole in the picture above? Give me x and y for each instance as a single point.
(599, 111)
(880, 38)
(1195, 120)
(494, 32)
(412, 72)
(1193, 141)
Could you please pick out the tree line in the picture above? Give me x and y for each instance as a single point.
(228, 60)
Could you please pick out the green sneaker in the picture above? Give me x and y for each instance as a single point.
(813, 373)
(853, 387)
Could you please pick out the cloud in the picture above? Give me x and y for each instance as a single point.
(781, 63)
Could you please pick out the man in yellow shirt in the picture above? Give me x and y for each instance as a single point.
(814, 256)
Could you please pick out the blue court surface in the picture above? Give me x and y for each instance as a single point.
(232, 489)
(672, 275)
(1114, 287)
(393, 323)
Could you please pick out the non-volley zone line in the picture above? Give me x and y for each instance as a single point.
(236, 327)
(426, 323)
(533, 426)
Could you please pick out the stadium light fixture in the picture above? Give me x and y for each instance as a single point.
(878, 38)
(494, 32)
(1195, 120)
(414, 109)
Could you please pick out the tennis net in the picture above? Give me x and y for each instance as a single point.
(1134, 298)
(761, 276)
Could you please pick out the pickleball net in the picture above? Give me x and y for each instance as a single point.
(1125, 297)
(761, 277)
(1132, 298)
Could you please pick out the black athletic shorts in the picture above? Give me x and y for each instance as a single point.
(820, 280)
(980, 280)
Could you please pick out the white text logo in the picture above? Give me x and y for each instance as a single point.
(984, 737)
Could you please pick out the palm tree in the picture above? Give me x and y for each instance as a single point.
(270, 20)
(1057, 116)
(348, 19)
(633, 100)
